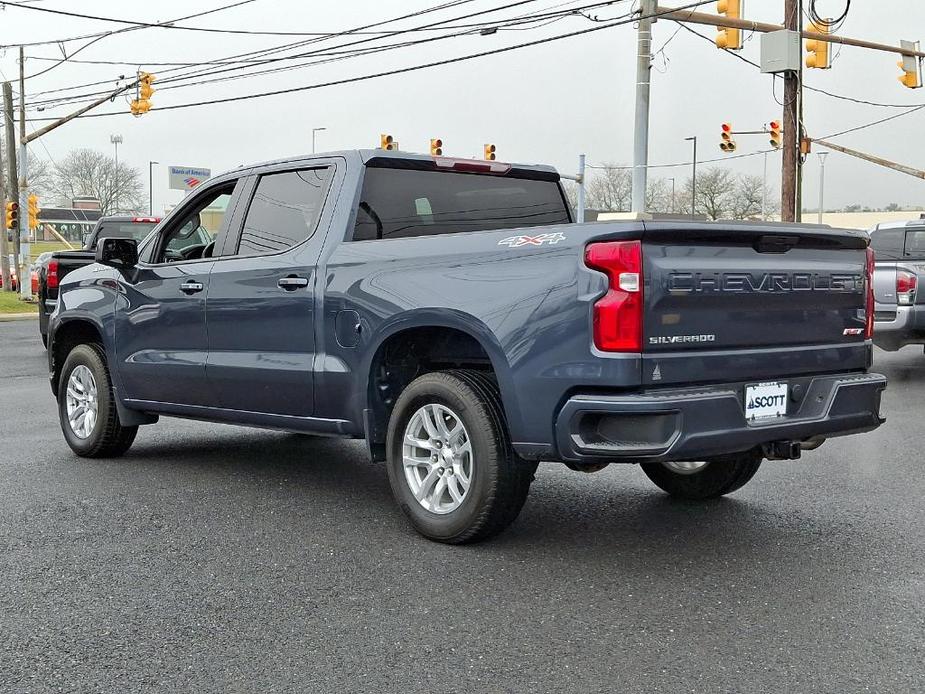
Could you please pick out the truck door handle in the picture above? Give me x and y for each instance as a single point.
(292, 283)
(191, 287)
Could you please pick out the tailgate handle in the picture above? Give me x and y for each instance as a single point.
(775, 244)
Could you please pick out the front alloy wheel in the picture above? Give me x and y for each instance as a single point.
(82, 404)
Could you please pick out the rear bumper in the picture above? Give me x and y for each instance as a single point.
(694, 423)
(898, 326)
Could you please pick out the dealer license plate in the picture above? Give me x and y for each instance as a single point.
(765, 400)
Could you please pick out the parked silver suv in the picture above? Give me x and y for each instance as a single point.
(899, 314)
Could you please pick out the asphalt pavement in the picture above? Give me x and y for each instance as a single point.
(220, 559)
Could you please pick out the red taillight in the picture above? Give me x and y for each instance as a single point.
(146, 220)
(869, 303)
(51, 274)
(35, 283)
(906, 283)
(618, 314)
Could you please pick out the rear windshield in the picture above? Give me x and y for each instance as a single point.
(396, 203)
(125, 230)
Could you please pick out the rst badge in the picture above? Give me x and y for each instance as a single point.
(550, 238)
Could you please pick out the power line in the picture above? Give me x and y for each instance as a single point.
(287, 46)
(334, 55)
(131, 28)
(398, 71)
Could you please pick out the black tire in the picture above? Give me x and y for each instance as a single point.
(499, 480)
(108, 438)
(720, 476)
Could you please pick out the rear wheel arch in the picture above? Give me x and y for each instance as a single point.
(429, 345)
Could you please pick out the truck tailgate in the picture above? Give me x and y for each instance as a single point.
(728, 301)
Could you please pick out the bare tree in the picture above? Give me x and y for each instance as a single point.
(659, 195)
(611, 189)
(87, 172)
(715, 192)
(748, 198)
(41, 177)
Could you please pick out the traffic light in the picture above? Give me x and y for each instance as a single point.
(774, 133)
(489, 152)
(387, 142)
(911, 67)
(436, 146)
(142, 102)
(728, 144)
(729, 37)
(817, 52)
(34, 211)
(12, 215)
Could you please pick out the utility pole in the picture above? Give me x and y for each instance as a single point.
(641, 130)
(790, 167)
(151, 186)
(25, 285)
(12, 176)
(4, 250)
(822, 156)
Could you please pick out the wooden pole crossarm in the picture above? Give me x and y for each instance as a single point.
(918, 173)
(716, 20)
(61, 121)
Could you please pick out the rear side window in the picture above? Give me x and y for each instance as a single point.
(887, 243)
(397, 203)
(915, 244)
(284, 211)
(125, 230)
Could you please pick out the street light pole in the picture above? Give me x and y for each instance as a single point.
(822, 156)
(116, 140)
(672, 196)
(693, 176)
(151, 186)
(315, 130)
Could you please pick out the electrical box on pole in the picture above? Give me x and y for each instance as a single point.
(780, 51)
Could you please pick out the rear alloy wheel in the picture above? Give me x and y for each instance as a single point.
(451, 465)
(86, 406)
(704, 479)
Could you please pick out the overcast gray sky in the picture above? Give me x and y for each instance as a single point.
(546, 103)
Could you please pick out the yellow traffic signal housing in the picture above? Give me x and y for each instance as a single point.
(817, 51)
(727, 143)
(774, 134)
(387, 142)
(12, 215)
(911, 66)
(34, 211)
(142, 102)
(729, 37)
(436, 146)
(489, 152)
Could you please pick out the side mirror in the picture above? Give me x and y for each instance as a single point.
(117, 253)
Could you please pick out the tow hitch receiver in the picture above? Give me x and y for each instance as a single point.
(782, 450)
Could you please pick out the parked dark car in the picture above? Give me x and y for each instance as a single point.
(53, 267)
(449, 312)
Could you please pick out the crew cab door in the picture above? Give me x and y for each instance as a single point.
(160, 333)
(261, 300)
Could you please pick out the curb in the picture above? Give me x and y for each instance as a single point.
(4, 317)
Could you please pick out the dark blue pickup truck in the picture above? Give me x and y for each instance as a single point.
(451, 313)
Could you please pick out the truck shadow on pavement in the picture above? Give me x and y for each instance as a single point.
(585, 517)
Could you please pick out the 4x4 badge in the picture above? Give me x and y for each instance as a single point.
(523, 240)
